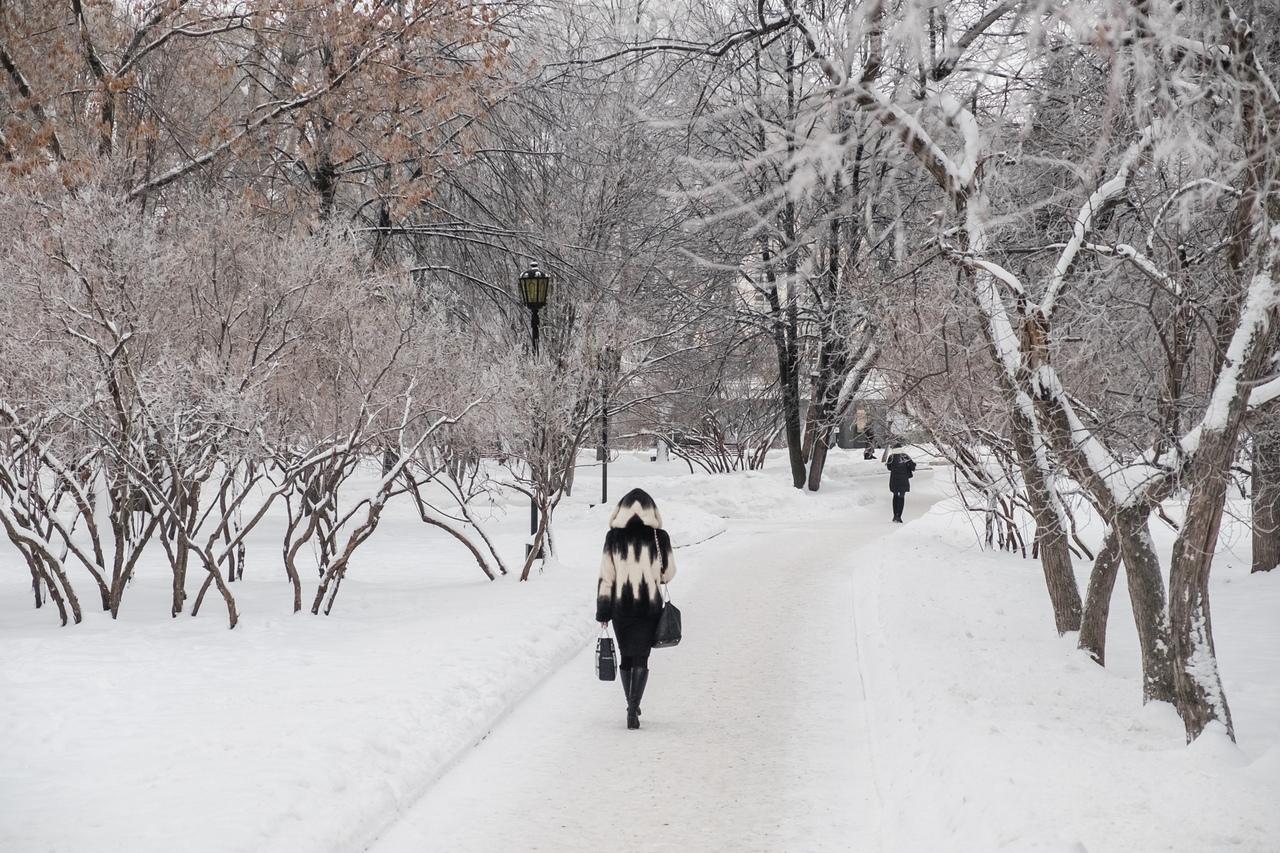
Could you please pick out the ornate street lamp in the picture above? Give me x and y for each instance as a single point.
(535, 287)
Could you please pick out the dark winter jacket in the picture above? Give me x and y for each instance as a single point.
(637, 558)
(900, 466)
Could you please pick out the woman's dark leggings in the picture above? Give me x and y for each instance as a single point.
(899, 501)
(632, 661)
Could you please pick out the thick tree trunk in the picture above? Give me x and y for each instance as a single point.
(818, 461)
(1051, 535)
(1199, 695)
(1146, 597)
(788, 366)
(1266, 491)
(812, 418)
(180, 557)
(1097, 601)
(783, 344)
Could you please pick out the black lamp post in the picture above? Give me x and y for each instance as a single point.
(535, 286)
(610, 361)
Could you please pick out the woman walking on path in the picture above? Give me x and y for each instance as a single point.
(637, 558)
(901, 466)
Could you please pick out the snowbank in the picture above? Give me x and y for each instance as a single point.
(289, 733)
(990, 732)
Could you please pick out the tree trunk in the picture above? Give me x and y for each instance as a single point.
(1199, 695)
(338, 568)
(539, 543)
(1146, 597)
(1266, 491)
(424, 512)
(786, 371)
(818, 462)
(291, 556)
(1051, 534)
(786, 335)
(39, 566)
(790, 406)
(1097, 602)
(214, 579)
(810, 426)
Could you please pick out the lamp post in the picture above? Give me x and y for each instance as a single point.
(610, 361)
(535, 286)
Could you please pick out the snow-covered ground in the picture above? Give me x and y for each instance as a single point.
(995, 734)
(845, 684)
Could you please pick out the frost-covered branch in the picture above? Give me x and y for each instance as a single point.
(1106, 195)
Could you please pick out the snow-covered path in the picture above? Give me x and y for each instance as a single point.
(753, 736)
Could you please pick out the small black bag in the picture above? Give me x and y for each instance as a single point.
(668, 631)
(606, 663)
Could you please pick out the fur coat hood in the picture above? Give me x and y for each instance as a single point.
(641, 507)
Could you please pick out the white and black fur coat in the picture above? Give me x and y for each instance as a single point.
(637, 558)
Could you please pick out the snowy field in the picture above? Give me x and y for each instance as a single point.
(845, 684)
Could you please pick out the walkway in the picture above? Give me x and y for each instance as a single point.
(753, 735)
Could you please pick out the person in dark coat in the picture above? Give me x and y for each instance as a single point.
(637, 559)
(870, 451)
(901, 467)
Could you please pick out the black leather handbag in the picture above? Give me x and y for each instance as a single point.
(669, 630)
(606, 663)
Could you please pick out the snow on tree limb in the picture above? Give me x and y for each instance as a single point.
(1107, 194)
(962, 120)
(1265, 393)
(1230, 388)
(999, 273)
(855, 378)
(1106, 469)
(1148, 267)
(913, 135)
(1258, 313)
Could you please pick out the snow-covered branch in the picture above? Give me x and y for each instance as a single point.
(1106, 195)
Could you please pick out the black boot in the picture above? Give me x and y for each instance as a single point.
(624, 675)
(639, 676)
